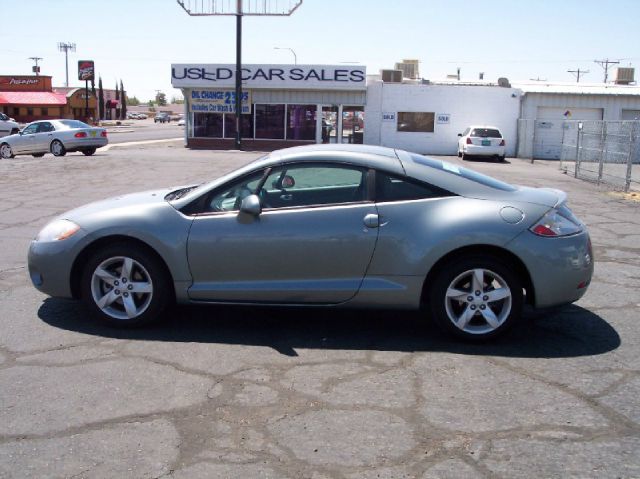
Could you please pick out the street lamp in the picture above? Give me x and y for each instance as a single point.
(295, 58)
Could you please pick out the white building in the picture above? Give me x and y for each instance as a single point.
(426, 118)
(546, 107)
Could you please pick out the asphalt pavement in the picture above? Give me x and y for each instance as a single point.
(314, 393)
(144, 130)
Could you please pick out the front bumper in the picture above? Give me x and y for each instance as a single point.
(560, 268)
(50, 264)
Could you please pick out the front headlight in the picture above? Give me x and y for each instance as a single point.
(58, 230)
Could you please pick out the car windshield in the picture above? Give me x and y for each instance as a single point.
(486, 133)
(463, 172)
(74, 124)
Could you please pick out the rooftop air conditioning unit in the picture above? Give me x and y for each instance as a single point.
(410, 68)
(625, 76)
(504, 82)
(391, 76)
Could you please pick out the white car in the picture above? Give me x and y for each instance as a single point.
(481, 141)
(181, 122)
(54, 136)
(8, 126)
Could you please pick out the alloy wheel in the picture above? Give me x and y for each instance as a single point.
(478, 301)
(121, 287)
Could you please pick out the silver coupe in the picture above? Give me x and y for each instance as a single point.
(53, 136)
(333, 225)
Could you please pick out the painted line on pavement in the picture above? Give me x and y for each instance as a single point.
(144, 142)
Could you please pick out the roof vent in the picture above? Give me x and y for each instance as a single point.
(504, 82)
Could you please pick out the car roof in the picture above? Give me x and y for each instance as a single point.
(484, 126)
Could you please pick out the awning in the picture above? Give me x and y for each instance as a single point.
(32, 98)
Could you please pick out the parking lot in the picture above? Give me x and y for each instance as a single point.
(309, 393)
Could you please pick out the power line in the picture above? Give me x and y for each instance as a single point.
(577, 73)
(605, 65)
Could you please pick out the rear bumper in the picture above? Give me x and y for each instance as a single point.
(85, 143)
(560, 268)
(478, 150)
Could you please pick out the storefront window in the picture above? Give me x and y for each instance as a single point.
(416, 121)
(301, 123)
(246, 125)
(207, 125)
(269, 121)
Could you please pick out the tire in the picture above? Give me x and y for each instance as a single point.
(502, 158)
(89, 152)
(459, 154)
(126, 299)
(6, 152)
(57, 148)
(464, 156)
(476, 298)
(38, 155)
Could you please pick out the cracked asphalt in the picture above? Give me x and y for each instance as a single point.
(315, 393)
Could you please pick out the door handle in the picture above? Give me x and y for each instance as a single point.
(286, 197)
(371, 221)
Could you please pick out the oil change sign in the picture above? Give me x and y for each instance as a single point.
(218, 101)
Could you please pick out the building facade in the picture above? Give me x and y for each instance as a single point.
(282, 105)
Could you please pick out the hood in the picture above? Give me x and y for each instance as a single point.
(132, 202)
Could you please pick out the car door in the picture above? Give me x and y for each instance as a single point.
(25, 142)
(310, 244)
(44, 136)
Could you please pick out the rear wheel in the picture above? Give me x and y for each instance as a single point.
(126, 286)
(6, 152)
(89, 151)
(476, 298)
(57, 148)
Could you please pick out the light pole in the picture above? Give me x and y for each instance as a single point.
(66, 48)
(295, 57)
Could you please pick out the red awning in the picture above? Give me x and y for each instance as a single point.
(32, 98)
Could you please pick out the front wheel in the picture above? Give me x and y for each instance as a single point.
(476, 298)
(126, 286)
(6, 152)
(89, 151)
(57, 148)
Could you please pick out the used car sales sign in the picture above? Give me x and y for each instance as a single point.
(317, 77)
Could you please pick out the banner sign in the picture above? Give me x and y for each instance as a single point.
(218, 101)
(298, 77)
(388, 116)
(443, 118)
(85, 70)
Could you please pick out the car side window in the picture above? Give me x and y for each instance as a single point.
(393, 188)
(30, 130)
(305, 185)
(229, 197)
(45, 127)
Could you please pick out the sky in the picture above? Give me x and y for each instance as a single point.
(136, 41)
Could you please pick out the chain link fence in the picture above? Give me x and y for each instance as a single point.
(604, 152)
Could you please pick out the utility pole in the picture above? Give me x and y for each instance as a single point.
(66, 48)
(36, 68)
(605, 65)
(577, 73)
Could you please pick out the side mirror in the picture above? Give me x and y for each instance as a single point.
(251, 205)
(459, 134)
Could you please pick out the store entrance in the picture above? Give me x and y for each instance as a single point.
(328, 124)
(352, 124)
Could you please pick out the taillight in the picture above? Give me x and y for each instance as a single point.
(104, 133)
(554, 224)
(469, 142)
(81, 134)
(502, 142)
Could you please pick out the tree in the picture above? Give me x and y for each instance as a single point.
(93, 93)
(133, 100)
(100, 99)
(177, 101)
(123, 110)
(161, 99)
(117, 99)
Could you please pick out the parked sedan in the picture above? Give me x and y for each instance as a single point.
(332, 225)
(481, 141)
(56, 136)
